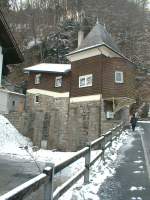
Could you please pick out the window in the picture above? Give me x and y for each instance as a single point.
(58, 81)
(85, 81)
(119, 77)
(37, 99)
(13, 103)
(37, 78)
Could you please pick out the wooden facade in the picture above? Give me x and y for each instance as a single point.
(112, 89)
(103, 71)
(98, 58)
(47, 82)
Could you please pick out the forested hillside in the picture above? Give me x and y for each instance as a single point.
(47, 29)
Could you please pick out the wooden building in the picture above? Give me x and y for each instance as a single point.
(51, 77)
(98, 71)
(75, 103)
(9, 51)
(9, 54)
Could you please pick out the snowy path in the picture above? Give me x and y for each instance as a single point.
(130, 182)
(18, 168)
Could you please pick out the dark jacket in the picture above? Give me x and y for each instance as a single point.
(133, 120)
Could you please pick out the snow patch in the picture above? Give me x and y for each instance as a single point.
(141, 167)
(33, 43)
(11, 141)
(140, 188)
(139, 157)
(138, 161)
(138, 172)
(145, 122)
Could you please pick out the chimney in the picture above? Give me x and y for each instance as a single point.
(1, 65)
(80, 37)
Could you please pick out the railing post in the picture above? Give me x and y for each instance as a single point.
(103, 147)
(111, 137)
(87, 165)
(120, 128)
(48, 187)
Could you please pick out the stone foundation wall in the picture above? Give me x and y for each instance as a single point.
(64, 125)
(58, 135)
(83, 123)
(55, 123)
(23, 122)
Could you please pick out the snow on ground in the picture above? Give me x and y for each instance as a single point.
(11, 141)
(13, 144)
(145, 122)
(140, 188)
(136, 198)
(99, 172)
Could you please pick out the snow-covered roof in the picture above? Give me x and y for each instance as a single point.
(50, 67)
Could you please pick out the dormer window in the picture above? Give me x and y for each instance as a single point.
(58, 81)
(119, 77)
(85, 81)
(37, 78)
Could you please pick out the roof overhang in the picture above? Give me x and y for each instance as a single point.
(91, 51)
(11, 52)
(49, 68)
(49, 72)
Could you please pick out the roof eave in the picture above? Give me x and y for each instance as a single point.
(121, 55)
(50, 72)
(84, 49)
(99, 45)
(19, 56)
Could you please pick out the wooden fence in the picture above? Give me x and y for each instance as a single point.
(47, 177)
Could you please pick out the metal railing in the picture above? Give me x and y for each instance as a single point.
(47, 177)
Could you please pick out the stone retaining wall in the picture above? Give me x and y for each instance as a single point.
(55, 123)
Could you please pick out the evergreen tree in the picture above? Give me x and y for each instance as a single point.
(61, 42)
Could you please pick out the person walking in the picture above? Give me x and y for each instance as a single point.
(133, 122)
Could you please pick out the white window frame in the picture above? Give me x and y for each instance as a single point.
(37, 79)
(85, 77)
(121, 76)
(58, 81)
(37, 95)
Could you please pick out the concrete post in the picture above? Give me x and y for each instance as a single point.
(87, 165)
(1, 65)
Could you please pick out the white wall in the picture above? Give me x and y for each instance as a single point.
(1, 64)
(3, 102)
(11, 101)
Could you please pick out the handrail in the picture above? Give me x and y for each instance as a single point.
(71, 160)
(47, 177)
(26, 188)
